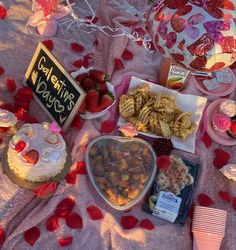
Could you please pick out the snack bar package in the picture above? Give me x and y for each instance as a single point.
(171, 193)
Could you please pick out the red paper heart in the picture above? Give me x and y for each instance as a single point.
(65, 207)
(129, 222)
(52, 223)
(31, 156)
(234, 203)
(163, 162)
(45, 190)
(207, 140)
(95, 213)
(127, 55)
(20, 146)
(2, 70)
(2, 236)
(71, 177)
(107, 126)
(11, 85)
(65, 241)
(225, 196)
(118, 64)
(32, 235)
(48, 44)
(74, 221)
(221, 158)
(205, 200)
(81, 168)
(77, 47)
(146, 224)
(3, 12)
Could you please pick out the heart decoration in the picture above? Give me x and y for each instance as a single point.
(120, 169)
(31, 156)
(20, 146)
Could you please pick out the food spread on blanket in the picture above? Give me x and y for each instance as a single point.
(156, 113)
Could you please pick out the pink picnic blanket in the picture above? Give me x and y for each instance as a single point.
(21, 211)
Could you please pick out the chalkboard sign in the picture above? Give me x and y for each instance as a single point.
(54, 89)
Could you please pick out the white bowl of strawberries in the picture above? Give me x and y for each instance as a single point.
(100, 93)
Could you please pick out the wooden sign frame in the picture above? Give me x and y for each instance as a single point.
(66, 75)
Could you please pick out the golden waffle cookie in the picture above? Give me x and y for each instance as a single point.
(144, 113)
(138, 102)
(165, 129)
(126, 106)
(137, 124)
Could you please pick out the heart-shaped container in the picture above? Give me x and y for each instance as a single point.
(121, 169)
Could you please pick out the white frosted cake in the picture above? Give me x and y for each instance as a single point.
(36, 153)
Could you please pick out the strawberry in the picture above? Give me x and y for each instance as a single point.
(95, 109)
(83, 105)
(88, 83)
(106, 101)
(81, 77)
(98, 75)
(92, 98)
(102, 87)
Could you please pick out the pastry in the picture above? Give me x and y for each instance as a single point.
(228, 108)
(229, 171)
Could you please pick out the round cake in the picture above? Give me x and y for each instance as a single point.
(36, 153)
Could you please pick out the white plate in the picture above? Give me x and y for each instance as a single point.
(187, 103)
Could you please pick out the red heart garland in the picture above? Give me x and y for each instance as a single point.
(2, 236)
(65, 207)
(74, 221)
(71, 177)
(11, 85)
(207, 140)
(48, 44)
(225, 196)
(95, 213)
(129, 222)
(221, 158)
(127, 55)
(45, 190)
(205, 200)
(65, 241)
(3, 12)
(2, 70)
(32, 235)
(146, 224)
(81, 168)
(118, 64)
(77, 47)
(163, 162)
(234, 203)
(107, 126)
(52, 223)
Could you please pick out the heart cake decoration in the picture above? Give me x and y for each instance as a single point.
(31, 156)
(120, 169)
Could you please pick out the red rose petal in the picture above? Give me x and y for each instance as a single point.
(118, 64)
(77, 47)
(234, 203)
(88, 60)
(139, 42)
(52, 223)
(163, 162)
(2, 236)
(95, 213)
(129, 222)
(146, 224)
(2, 71)
(30, 119)
(65, 207)
(71, 177)
(32, 235)
(81, 168)
(221, 158)
(48, 44)
(107, 126)
(45, 190)
(3, 12)
(191, 211)
(205, 200)
(207, 140)
(225, 196)
(74, 221)
(79, 63)
(65, 241)
(11, 85)
(127, 55)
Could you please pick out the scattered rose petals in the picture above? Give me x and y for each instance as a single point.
(11, 85)
(79, 63)
(65, 241)
(64, 207)
(81, 168)
(3, 12)
(163, 162)
(146, 224)
(107, 126)
(48, 44)
(118, 64)
(74, 220)
(45, 190)
(205, 200)
(207, 140)
(234, 203)
(2, 71)
(32, 235)
(127, 55)
(2, 236)
(221, 158)
(88, 60)
(77, 47)
(129, 222)
(52, 223)
(71, 177)
(225, 196)
(95, 213)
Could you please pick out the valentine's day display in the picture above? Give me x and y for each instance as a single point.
(156, 111)
(229, 171)
(120, 169)
(197, 35)
(36, 152)
(171, 193)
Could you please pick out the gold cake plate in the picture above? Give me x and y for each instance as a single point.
(31, 184)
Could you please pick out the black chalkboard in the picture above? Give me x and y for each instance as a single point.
(55, 90)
